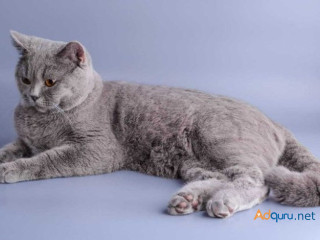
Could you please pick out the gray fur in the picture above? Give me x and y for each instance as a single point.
(227, 151)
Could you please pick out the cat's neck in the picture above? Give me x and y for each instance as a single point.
(93, 94)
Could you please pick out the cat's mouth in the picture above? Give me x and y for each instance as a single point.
(26, 101)
(41, 106)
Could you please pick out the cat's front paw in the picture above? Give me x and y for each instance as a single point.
(184, 203)
(8, 173)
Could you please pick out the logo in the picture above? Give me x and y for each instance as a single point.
(284, 216)
(265, 216)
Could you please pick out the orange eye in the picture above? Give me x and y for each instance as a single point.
(26, 81)
(50, 82)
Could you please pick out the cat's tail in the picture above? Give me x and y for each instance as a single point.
(296, 179)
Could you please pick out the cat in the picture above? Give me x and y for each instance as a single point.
(71, 123)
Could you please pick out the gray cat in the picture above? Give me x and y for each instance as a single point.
(70, 123)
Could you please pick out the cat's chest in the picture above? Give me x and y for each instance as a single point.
(39, 131)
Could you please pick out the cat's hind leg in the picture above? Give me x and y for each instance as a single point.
(297, 157)
(244, 190)
(296, 179)
(193, 196)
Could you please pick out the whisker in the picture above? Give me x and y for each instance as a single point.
(63, 113)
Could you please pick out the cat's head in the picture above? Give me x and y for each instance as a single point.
(52, 75)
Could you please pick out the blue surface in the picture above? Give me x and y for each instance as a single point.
(128, 205)
(264, 52)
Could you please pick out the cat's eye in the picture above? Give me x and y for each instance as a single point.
(50, 82)
(26, 81)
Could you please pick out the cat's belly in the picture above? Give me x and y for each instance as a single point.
(160, 156)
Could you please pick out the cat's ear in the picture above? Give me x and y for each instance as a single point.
(73, 52)
(20, 41)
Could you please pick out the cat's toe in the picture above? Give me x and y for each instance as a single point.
(221, 208)
(184, 203)
(179, 205)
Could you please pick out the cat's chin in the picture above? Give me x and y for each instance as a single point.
(41, 109)
(48, 109)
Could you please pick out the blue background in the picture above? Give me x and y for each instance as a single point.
(264, 52)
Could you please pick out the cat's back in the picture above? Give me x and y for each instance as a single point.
(148, 97)
(155, 106)
(155, 92)
(172, 99)
(147, 107)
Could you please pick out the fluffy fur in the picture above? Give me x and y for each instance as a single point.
(227, 151)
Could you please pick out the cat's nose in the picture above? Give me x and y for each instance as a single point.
(34, 98)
